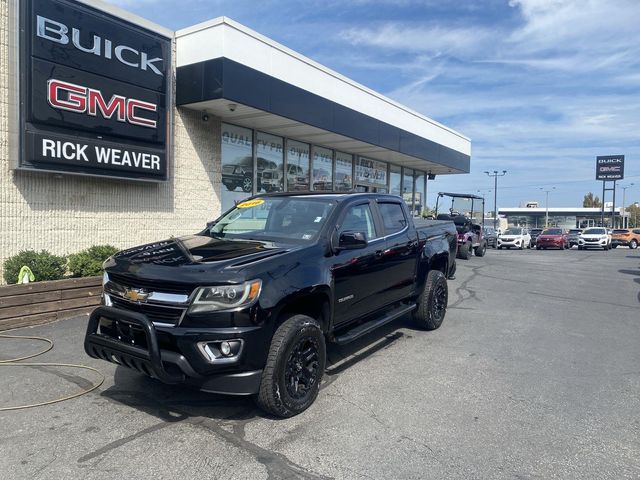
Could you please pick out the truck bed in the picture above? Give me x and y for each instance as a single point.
(430, 228)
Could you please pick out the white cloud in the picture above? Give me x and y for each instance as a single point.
(436, 40)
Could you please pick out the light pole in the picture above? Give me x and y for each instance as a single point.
(624, 214)
(495, 176)
(481, 192)
(546, 216)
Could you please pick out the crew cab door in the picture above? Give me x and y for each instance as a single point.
(399, 259)
(358, 275)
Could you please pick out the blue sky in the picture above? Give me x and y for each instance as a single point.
(540, 86)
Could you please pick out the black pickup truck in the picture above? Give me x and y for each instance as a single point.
(246, 306)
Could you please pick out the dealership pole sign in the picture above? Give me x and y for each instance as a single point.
(610, 167)
(94, 93)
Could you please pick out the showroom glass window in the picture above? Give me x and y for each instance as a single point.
(395, 178)
(297, 166)
(237, 165)
(370, 175)
(270, 162)
(322, 169)
(344, 172)
(420, 197)
(407, 186)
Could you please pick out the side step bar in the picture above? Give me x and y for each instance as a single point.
(370, 326)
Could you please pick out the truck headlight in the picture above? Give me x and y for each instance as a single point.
(226, 297)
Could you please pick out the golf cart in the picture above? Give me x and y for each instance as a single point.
(461, 211)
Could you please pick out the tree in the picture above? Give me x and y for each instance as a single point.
(634, 215)
(591, 201)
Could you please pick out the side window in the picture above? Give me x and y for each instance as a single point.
(359, 219)
(392, 217)
(637, 231)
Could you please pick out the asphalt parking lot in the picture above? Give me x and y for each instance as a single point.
(535, 373)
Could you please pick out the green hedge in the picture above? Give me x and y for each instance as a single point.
(43, 264)
(89, 262)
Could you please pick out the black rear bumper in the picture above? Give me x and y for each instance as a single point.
(166, 366)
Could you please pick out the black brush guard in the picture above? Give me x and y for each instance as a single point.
(148, 361)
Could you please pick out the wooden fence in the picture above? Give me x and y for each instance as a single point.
(43, 302)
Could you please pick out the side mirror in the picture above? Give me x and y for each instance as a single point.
(352, 240)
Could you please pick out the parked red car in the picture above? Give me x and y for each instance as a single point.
(553, 238)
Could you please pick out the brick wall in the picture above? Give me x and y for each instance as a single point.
(65, 214)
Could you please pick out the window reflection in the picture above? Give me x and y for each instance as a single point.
(297, 166)
(344, 170)
(322, 169)
(237, 165)
(270, 160)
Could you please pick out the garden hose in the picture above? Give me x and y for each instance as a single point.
(17, 362)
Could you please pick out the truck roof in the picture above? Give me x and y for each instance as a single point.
(337, 195)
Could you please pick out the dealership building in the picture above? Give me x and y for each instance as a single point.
(118, 131)
(564, 217)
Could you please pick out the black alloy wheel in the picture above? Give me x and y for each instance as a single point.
(302, 368)
(440, 299)
(293, 371)
(432, 303)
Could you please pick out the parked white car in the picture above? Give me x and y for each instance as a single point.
(596, 237)
(515, 237)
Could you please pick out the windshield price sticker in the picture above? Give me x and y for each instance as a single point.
(250, 203)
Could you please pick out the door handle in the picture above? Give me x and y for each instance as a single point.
(379, 253)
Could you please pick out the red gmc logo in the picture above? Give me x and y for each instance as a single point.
(79, 99)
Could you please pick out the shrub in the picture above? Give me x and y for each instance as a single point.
(89, 262)
(44, 265)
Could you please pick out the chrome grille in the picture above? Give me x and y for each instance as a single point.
(160, 305)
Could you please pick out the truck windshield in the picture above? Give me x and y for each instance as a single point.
(297, 219)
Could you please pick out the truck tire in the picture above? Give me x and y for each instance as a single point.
(481, 249)
(465, 251)
(295, 365)
(432, 303)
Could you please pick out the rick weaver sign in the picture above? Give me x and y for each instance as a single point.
(94, 92)
(610, 167)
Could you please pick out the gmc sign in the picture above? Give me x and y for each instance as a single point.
(95, 92)
(610, 167)
(79, 99)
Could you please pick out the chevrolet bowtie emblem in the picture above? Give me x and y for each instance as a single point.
(136, 294)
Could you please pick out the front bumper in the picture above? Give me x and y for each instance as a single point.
(140, 350)
(550, 243)
(510, 243)
(593, 243)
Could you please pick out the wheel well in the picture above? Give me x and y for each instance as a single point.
(440, 263)
(315, 306)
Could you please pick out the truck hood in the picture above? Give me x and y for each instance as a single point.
(186, 259)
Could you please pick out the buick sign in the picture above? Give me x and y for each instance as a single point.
(95, 92)
(610, 167)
